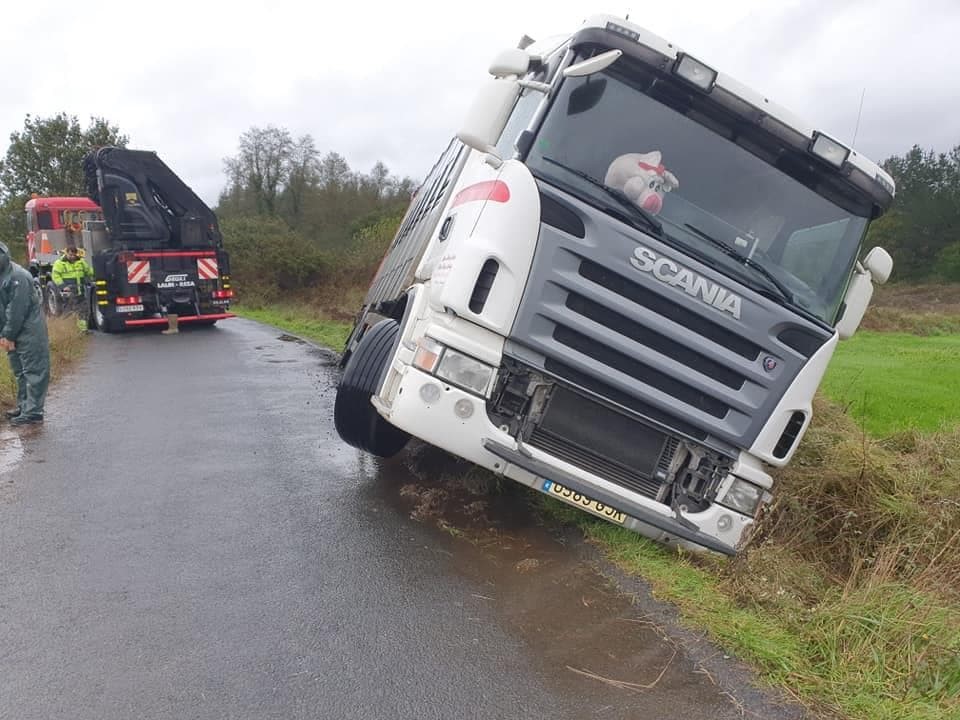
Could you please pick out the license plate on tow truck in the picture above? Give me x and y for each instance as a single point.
(572, 497)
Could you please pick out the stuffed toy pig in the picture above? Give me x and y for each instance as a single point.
(643, 178)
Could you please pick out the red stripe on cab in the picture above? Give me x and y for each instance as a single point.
(495, 190)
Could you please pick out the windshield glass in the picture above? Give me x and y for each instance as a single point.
(692, 170)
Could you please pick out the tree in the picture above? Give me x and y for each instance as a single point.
(925, 221)
(335, 173)
(303, 175)
(46, 157)
(261, 169)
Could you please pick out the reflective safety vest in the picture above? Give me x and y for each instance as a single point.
(73, 272)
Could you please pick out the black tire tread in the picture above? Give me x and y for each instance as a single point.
(356, 420)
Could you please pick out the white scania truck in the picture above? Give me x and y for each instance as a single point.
(620, 285)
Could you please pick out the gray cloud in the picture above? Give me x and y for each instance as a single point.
(390, 82)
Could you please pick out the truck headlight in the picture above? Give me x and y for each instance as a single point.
(465, 371)
(744, 497)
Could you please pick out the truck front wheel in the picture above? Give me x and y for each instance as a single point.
(356, 420)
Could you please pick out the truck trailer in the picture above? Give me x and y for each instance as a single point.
(620, 285)
(154, 245)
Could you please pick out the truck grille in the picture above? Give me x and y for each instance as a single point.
(604, 442)
(652, 344)
(652, 301)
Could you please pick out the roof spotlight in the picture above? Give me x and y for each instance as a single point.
(695, 72)
(828, 149)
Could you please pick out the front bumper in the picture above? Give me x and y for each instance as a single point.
(476, 439)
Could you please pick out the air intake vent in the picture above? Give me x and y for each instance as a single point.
(560, 216)
(488, 273)
(790, 434)
(803, 341)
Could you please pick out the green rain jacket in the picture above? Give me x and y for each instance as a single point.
(21, 319)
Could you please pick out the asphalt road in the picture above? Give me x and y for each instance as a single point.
(186, 537)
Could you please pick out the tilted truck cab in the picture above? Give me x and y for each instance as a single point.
(620, 285)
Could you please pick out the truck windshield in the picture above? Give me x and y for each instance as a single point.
(727, 193)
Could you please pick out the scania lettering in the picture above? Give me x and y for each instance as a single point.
(665, 270)
(620, 285)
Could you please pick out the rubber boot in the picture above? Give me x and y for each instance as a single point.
(172, 325)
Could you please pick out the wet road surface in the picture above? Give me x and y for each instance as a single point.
(186, 537)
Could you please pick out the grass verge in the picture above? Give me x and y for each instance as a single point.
(302, 320)
(893, 382)
(67, 345)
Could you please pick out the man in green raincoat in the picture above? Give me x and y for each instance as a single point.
(23, 334)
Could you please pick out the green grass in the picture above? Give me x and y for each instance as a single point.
(893, 382)
(302, 321)
(67, 346)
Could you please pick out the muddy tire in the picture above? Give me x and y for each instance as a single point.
(356, 420)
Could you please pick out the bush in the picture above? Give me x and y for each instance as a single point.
(268, 260)
(948, 263)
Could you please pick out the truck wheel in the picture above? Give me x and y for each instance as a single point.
(106, 323)
(356, 420)
(53, 303)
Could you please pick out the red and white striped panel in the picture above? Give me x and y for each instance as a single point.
(138, 271)
(207, 268)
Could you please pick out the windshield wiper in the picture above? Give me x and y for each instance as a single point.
(636, 212)
(743, 260)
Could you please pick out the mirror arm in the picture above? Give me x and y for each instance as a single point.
(534, 85)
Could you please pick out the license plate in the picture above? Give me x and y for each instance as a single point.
(129, 308)
(583, 502)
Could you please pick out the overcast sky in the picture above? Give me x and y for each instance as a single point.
(391, 81)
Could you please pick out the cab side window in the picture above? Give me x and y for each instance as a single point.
(522, 113)
(44, 220)
(527, 105)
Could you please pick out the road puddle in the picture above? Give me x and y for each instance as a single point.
(11, 455)
(592, 640)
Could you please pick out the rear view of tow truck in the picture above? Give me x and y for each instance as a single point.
(157, 252)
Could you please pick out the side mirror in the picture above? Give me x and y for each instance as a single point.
(877, 265)
(510, 62)
(489, 114)
(592, 65)
(880, 264)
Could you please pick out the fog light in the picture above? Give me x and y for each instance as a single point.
(463, 408)
(743, 497)
(430, 393)
(724, 523)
